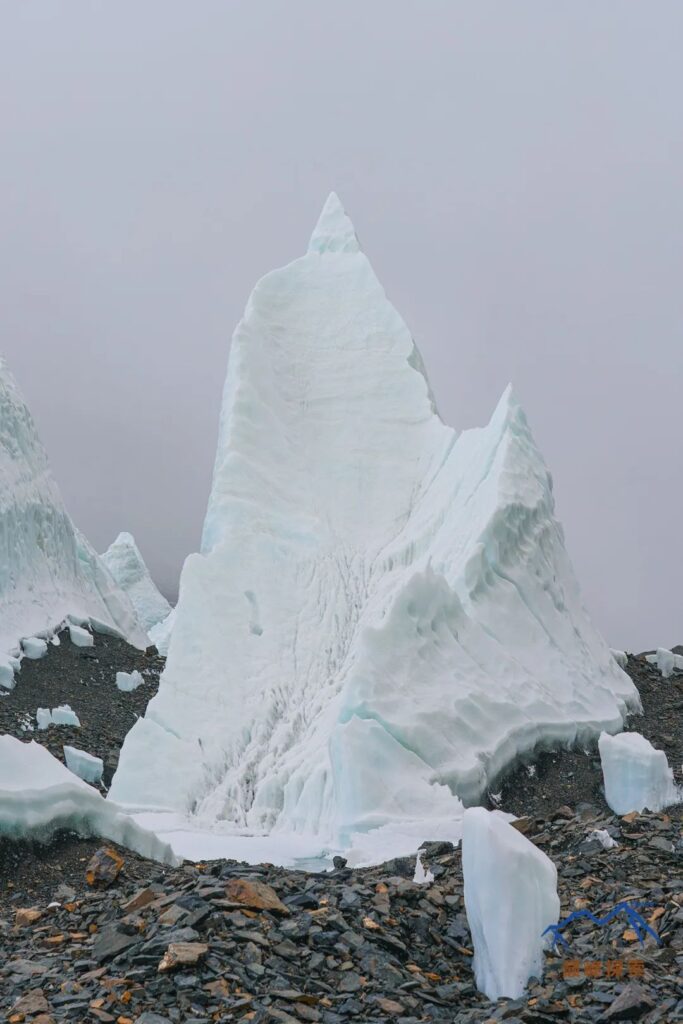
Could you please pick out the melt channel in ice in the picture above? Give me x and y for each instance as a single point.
(383, 614)
(48, 571)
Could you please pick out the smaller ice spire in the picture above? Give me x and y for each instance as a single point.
(334, 232)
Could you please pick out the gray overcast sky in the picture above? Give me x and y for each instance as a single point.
(514, 172)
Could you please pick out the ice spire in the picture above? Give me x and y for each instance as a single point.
(334, 232)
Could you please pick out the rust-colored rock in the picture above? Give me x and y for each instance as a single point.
(524, 825)
(255, 895)
(104, 867)
(182, 954)
(26, 916)
(142, 898)
(32, 1003)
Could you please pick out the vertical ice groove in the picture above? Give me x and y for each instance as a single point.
(421, 621)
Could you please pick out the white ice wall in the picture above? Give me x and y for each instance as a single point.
(47, 568)
(383, 613)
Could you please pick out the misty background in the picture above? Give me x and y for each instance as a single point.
(514, 174)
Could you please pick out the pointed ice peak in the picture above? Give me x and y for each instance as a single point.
(334, 232)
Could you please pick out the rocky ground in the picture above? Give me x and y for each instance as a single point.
(224, 941)
(84, 678)
(572, 777)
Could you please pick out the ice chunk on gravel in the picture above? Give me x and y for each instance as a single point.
(510, 899)
(40, 796)
(602, 836)
(666, 661)
(34, 648)
(636, 775)
(63, 715)
(81, 637)
(7, 680)
(128, 681)
(85, 766)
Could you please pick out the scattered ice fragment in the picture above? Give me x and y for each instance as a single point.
(7, 680)
(127, 566)
(129, 680)
(531, 770)
(54, 640)
(40, 796)
(621, 657)
(666, 661)
(34, 647)
(604, 838)
(636, 775)
(510, 899)
(43, 718)
(62, 715)
(86, 766)
(422, 875)
(81, 637)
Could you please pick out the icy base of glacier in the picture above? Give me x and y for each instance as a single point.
(200, 841)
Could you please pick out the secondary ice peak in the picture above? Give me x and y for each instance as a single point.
(334, 231)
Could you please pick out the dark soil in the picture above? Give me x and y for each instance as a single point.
(84, 678)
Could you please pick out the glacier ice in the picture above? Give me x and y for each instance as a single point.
(48, 569)
(63, 715)
(34, 648)
(621, 657)
(86, 766)
(40, 796)
(383, 614)
(160, 635)
(666, 661)
(128, 681)
(510, 890)
(127, 566)
(636, 775)
(80, 637)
